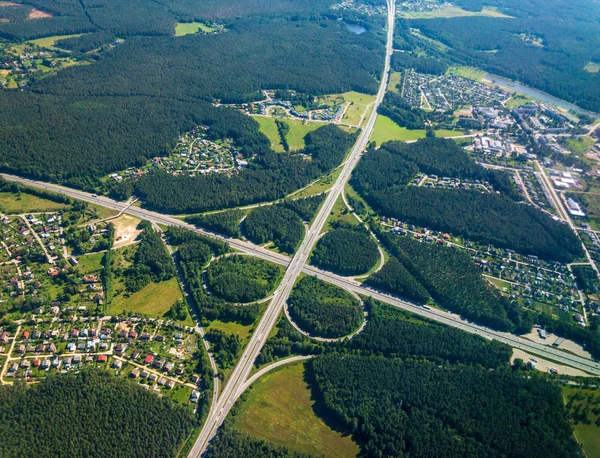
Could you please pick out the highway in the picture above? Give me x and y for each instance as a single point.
(235, 386)
(239, 378)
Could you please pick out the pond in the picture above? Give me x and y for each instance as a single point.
(356, 28)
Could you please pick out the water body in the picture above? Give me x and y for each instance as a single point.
(355, 28)
(536, 94)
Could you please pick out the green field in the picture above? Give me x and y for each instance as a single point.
(455, 11)
(24, 203)
(467, 72)
(359, 105)
(580, 145)
(268, 127)
(233, 328)
(153, 300)
(279, 409)
(516, 101)
(190, 28)
(500, 284)
(587, 435)
(295, 136)
(90, 263)
(395, 79)
(49, 42)
(387, 130)
(340, 213)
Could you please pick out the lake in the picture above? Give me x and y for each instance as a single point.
(536, 94)
(356, 28)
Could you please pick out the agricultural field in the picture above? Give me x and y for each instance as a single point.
(279, 408)
(387, 130)
(232, 328)
(467, 72)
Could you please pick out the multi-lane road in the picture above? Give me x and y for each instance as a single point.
(238, 380)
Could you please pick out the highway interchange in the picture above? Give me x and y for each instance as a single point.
(239, 378)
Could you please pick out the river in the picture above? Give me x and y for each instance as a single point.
(536, 94)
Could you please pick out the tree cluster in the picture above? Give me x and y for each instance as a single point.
(423, 409)
(275, 223)
(90, 414)
(225, 347)
(346, 251)
(151, 262)
(226, 222)
(242, 279)
(324, 310)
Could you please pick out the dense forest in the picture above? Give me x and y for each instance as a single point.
(193, 254)
(395, 108)
(242, 279)
(324, 310)
(271, 176)
(225, 347)
(346, 251)
(226, 222)
(424, 409)
(90, 414)
(455, 282)
(151, 262)
(394, 278)
(274, 223)
(381, 178)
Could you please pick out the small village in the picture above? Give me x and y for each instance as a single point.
(292, 105)
(195, 154)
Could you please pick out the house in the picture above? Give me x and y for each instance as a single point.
(116, 364)
(45, 364)
(133, 335)
(195, 379)
(90, 279)
(144, 374)
(38, 311)
(13, 368)
(36, 334)
(162, 381)
(145, 336)
(195, 396)
(120, 348)
(25, 335)
(135, 354)
(134, 373)
(75, 333)
(159, 363)
(153, 377)
(102, 358)
(4, 337)
(36, 362)
(25, 364)
(71, 346)
(170, 384)
(160, 338)
(149, 359)
(122, 334)
(77, 359)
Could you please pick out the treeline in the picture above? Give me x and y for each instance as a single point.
(193, 254)
(306, 207)
(420, 63)
(86, 42)
(226, 223)
(271, 176)
(419, 408)
(283, 128)
(61, 416)
(381, 178)
(151, 262)
(346, 251)
(324, 310)
(242, 279)
(455, 282)
(17, 188)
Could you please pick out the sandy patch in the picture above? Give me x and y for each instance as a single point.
(37, 14)
(567, 345)
(544, 366)
(125, 230)
(8, 4)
